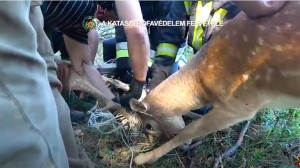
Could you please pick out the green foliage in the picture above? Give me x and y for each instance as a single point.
(76, 103)
(274, 142)
(104, 32)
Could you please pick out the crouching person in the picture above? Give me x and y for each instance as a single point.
(30, 135)
(76, 156)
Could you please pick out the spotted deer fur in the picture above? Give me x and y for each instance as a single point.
(249, 64)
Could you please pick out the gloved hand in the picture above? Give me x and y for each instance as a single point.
(123, 71)
(135, 91)
(125, 76)
(161, 70)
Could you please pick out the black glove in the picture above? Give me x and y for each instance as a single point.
(161, 70)
(135, 91)
(123, 70)
(125, 76)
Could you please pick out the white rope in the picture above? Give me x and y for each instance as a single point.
(104, 121)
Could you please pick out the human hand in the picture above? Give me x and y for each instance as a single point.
(135, 91)
(63, 70)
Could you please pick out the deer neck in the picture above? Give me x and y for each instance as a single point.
(182, 95)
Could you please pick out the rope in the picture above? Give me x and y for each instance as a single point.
(104, 121)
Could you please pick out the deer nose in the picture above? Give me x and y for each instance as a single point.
(149, 127)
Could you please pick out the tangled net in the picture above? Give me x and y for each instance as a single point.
(129, 130)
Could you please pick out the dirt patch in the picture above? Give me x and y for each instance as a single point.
(110, 150)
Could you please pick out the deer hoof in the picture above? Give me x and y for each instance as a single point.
(145, 158)
(185, 146)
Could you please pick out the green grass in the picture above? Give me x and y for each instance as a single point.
(272, 140)
(76, 103)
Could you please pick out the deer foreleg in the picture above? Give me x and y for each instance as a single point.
(214, 121)
(87, 83)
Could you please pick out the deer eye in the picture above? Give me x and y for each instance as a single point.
(149, 127)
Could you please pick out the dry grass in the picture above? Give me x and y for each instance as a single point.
(273, 140)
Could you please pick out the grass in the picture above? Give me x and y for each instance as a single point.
(75, 103)
(272, 140)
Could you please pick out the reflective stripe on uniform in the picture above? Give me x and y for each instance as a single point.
(197, 38)
(166, 49)
(187, 5)
(204, 13)
(122, 54)
(122, 50)
(219, 15)
(122, 46)
(150, 62)
(202, 16)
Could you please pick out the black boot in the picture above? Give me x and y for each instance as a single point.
(77, 116)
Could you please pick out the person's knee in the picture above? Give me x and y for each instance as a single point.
(109, 49)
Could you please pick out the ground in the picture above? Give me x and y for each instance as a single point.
(272, 140)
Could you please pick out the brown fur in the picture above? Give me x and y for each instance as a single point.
(92, 82)
(247, 65)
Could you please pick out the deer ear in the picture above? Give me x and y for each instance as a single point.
(136, 105)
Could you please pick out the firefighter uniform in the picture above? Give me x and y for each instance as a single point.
(152, 11)
(206, 16)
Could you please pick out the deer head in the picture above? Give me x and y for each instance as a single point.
(163, 126)
(162, 109)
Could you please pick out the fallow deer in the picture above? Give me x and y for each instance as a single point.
(248, 64)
